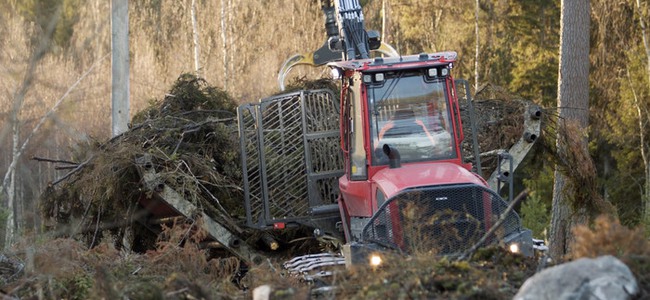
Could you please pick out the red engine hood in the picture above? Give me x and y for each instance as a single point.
(392, 181)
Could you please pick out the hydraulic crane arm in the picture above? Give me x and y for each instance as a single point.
(321, 57)
(347, 39)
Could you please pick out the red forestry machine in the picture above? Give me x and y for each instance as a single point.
(379, 167)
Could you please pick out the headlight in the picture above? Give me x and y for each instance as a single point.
(336, 73)
(514, 248)
(375, 260)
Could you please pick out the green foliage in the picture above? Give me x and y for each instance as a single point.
(618, 75)
(538, 177)
(518, 40)
(75, 288)
(622, 183)
(534, 28)
(535, 215)
(4, 214)
(425, 26)
(194, 93)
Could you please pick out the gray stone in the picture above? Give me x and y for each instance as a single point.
(602, 278)
(262, 292)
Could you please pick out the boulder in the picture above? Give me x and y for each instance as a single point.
(604, 278)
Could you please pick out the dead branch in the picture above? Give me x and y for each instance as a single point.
(36, 158)
(64, 167)
(75, 170)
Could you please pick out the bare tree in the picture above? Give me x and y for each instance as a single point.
(383, 19)
(17, 152)
(120, 89)
(224, 45)
(476, 53)
(9, 183)
(195, 31)
(643, 120)
(573, 106)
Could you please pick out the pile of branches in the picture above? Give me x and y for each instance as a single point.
(190, 137)
(303, 83)
(499, 118)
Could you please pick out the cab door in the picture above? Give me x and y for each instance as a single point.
(354, 186)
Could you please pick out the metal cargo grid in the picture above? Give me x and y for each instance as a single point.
(291, 157)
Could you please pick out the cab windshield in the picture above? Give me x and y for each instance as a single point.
(409, 112)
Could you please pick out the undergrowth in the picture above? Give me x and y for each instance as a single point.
(492, 273)
(177, 269)
(608, 236)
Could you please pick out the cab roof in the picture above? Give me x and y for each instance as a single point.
(397, 62)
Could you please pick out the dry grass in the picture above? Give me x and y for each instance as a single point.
(66, 269)
(608, 237)
(179, 269)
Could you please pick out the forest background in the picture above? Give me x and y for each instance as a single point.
(55, 62)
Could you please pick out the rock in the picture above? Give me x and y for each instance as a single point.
(268, 292)
(262, 292)
(601, 278)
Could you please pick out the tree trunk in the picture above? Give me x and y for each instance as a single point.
(476, 53)
(11, 190)
(643, 121)
(383, 20)
(573, 106)
(224, 48)
(645, 197)
(120, 89)
(195, 33)
(8, 182)
(644, 36)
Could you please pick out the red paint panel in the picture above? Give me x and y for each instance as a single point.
(357, 197)
(392, 181)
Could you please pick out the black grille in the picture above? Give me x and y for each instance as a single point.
(441, 219)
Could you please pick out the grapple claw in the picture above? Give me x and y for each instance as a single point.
(298, 59)
(321, 57)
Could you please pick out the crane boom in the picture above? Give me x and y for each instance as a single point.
(354, 33)
(347, 39)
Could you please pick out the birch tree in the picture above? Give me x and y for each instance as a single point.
(8, 187)
(224, 48)
(476, 52)
(195, 34)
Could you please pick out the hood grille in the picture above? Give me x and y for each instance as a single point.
(441, 219)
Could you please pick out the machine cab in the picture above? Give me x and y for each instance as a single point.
(405, 184)
(407, 103)
(409, 111)
(404, 109)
